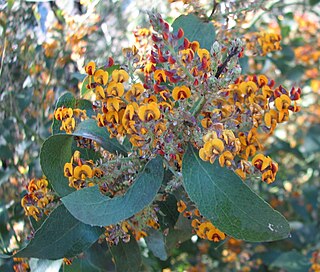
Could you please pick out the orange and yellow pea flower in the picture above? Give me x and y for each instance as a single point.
(149, 112)
(181, 93)
(115, 88)
(90, 68)
(101, 77)
(120, 76)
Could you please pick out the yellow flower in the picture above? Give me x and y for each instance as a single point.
(82, 172)
(134, 93)
(282, 102)
(181, 206)
(159, 76)
(114, 103)
(261, 162)
(262, 80)
(115, 89)
(100, 94)
(33, 211)
(43, 202)
(215, 235)
(137, 140)
(248, 87)
(90, 68)
(120, 76)
(203, 53)
(149, 112)
(226, 158)
(68, 125)
(101, 77)
(211, 149)
(181, 93)
(112, 117)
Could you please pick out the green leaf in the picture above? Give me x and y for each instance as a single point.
(38, 265)
(100, 257)
(90, 130)
(61, 235)
(155, 243)
(292, 261)
(168, 213)
(91, 207)
(81, 265)
(196, 30)
(314, 2)
(127, 256)
(57, 150)
(222, 197)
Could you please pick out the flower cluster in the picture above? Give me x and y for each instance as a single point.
(68, 117)
(268, 42)
(202, 227)
(251, 107)
(80, 172)
(36, 201)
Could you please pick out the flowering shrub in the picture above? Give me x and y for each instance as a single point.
(166, 145)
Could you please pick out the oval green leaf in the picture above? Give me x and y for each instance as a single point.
(58, 149)
(127, 256)
(229, 203)
(61, 235)
(91, 207)
(196, 30)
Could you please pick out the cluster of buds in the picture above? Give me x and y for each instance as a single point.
(201, 226)
(37, 199)
(68, 118)
(81, 172)
(268, 42)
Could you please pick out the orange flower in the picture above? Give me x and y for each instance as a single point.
(160, 76)
(181, 93)
(181, 206)
(115, 89)
(226, 158)
(248, 87)
(101, 77)
(82, 172)
(149, 112)
(90, 68)
(120, 76)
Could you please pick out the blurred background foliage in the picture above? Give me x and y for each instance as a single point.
(43, 48)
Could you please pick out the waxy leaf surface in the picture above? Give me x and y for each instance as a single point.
(61, 235)
(222, 197)
(91, 207)
(195, 29)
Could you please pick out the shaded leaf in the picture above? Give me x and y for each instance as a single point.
(155, 243)
(81, 265)
(127, 256)
(196, 30)
(100, 257)
(61, 235)
(91, 207)
(168, 213)
(292, 261)
(222, 197)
